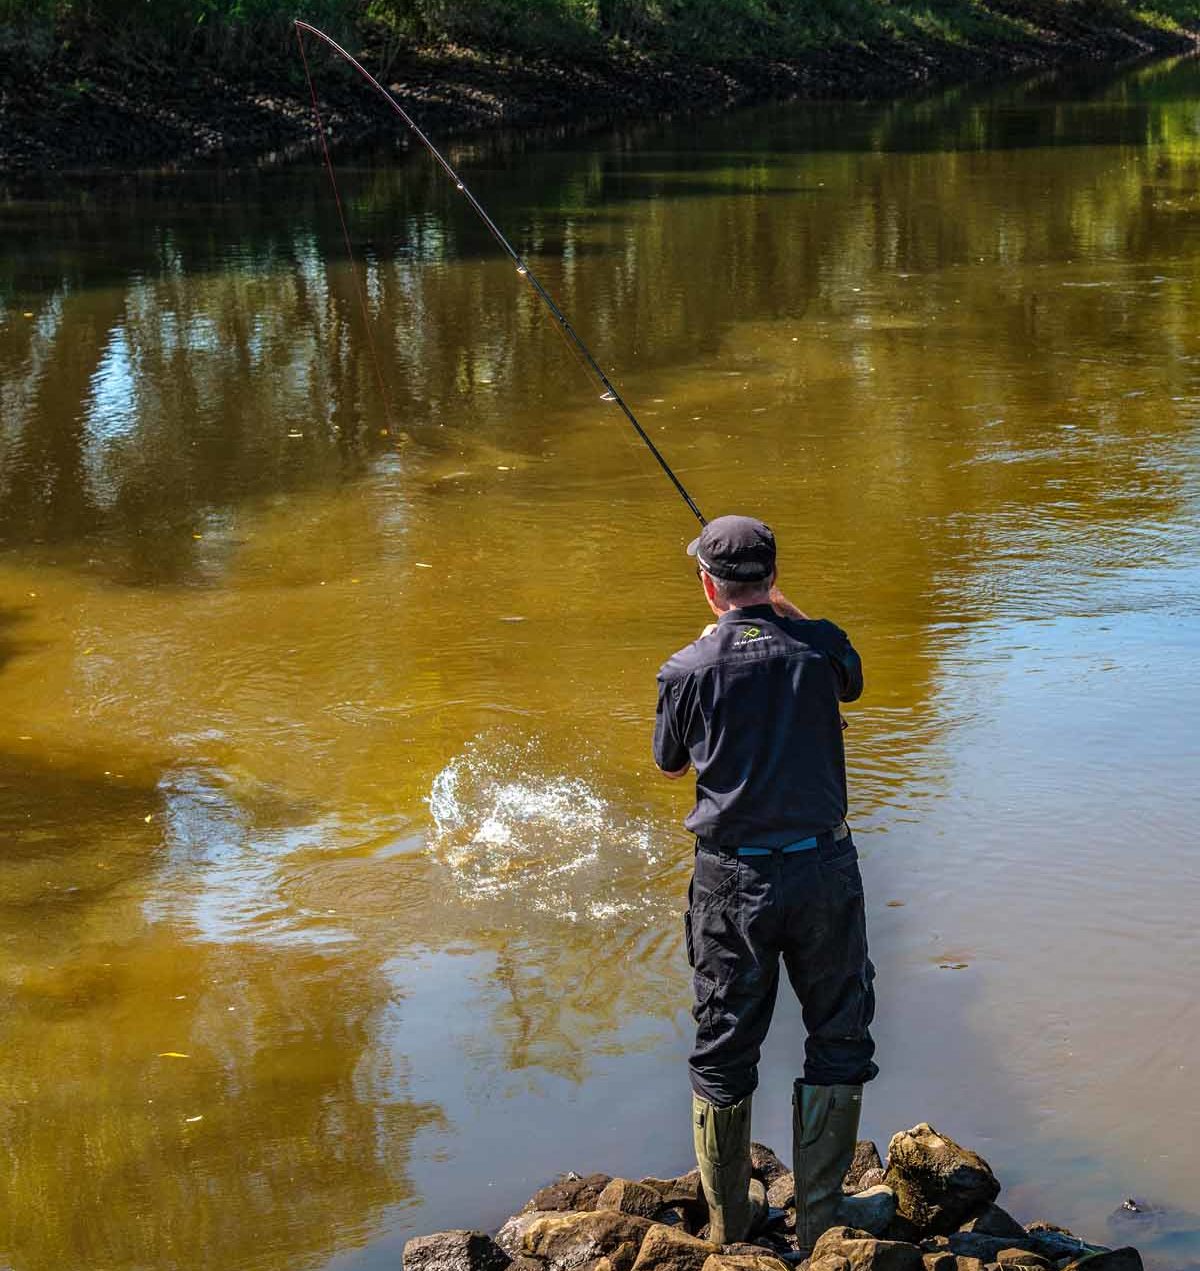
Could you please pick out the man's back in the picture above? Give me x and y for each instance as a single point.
(754, 707)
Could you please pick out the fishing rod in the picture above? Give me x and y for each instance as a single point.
(611, 393)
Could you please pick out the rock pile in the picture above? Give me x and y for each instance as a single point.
(932, 1207)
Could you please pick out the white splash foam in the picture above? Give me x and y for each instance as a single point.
(506, 827)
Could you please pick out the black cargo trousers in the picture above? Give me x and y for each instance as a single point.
(744, 912)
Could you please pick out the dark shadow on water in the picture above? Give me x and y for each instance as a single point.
(12, 645)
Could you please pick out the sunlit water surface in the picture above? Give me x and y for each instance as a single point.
(339, 899)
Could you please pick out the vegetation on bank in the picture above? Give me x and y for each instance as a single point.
(101, 83)
(709, 30)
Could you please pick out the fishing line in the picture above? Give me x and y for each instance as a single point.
(610, 393)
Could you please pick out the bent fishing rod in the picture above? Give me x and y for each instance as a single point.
(611, 393)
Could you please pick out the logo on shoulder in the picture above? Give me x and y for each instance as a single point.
(752, 635)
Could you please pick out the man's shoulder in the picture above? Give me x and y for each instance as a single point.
(819, 634)
(687, 660)
(815, 631)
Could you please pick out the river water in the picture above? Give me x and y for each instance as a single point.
(340, 900)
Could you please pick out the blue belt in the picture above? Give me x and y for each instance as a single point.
(800, 845)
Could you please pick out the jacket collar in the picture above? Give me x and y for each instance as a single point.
(752, 613)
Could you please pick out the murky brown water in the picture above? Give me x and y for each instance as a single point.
(339, 899)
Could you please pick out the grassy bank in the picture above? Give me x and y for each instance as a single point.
(146, 81)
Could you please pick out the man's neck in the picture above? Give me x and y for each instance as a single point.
(752, 603)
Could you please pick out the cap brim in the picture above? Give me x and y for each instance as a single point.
(693, 547)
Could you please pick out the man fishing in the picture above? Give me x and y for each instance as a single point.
(753, 707)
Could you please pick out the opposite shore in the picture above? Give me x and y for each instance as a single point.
(82, 99)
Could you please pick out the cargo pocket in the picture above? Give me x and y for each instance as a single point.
(688, 940)
(714, 881)
(703, 992)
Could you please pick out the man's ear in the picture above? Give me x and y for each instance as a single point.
(709, 589)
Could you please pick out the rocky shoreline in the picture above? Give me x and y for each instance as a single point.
(81, 101)
(930, 1207)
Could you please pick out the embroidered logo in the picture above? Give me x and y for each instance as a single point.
(752, 635)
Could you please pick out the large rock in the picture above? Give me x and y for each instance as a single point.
(866, 1157)
(574, 1192)
(628, 1197)
(903, 1230)
(994, 1221)
(565, 1241)
(685, 1192)
(871, 1211)
(1126, 1259)
(1057, 1243)
(938, 1183)
(829, 1262)
(864, 1253)
(511, 1237)
(758, 1261)
(669, 1249)
(973, 1244)
(454, 1251)
(946, 1261)
(765, 1165)
(686, 1189)
(782, 1191)
(1011, 1259)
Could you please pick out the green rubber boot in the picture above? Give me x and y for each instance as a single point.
(824, 1132)
(737, 1203)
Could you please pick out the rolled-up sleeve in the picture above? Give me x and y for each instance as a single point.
(669, 751)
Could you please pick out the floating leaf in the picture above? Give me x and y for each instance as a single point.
(172, 1054)
(191, 1120)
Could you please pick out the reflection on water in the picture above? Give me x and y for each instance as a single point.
(324, 719)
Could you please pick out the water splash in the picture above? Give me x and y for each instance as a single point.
(505, 827)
